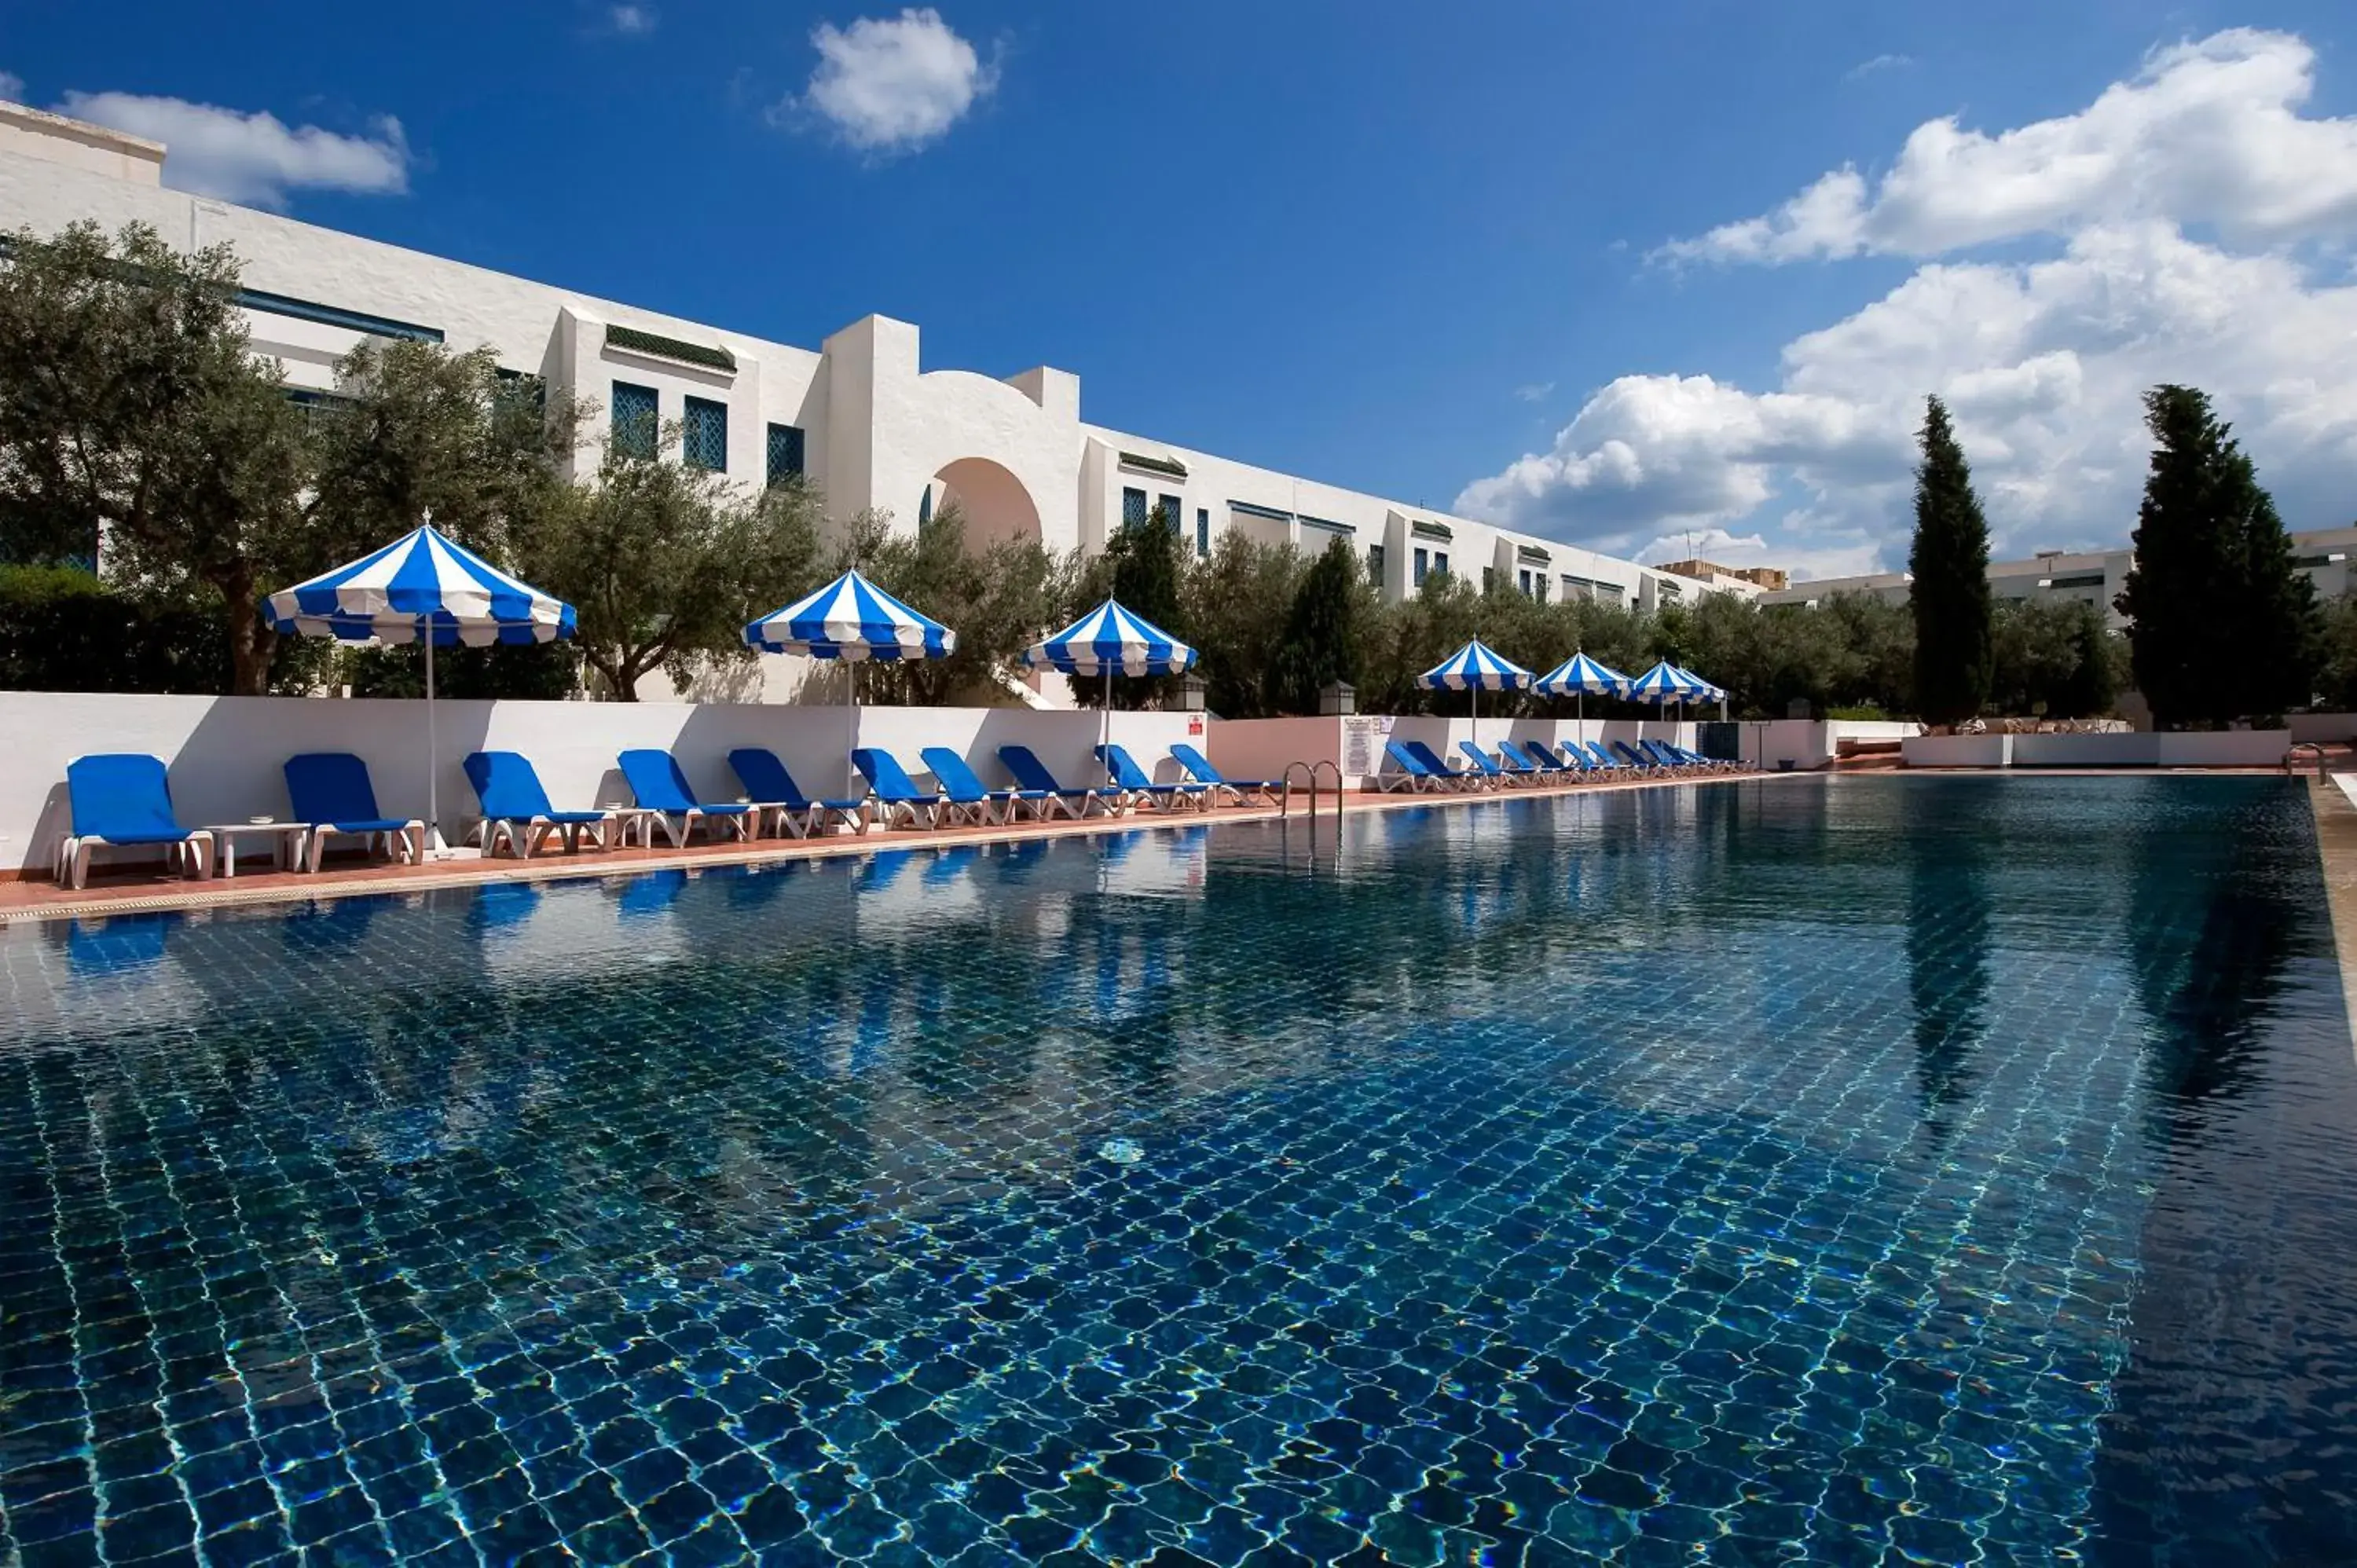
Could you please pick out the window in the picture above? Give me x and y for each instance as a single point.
(1375, 563)
(1525, 582)
(1489, 579)
(1174, 512)
(1133, 507)
(785, 452)
(635, 422)
(1202, 533)
(1538, 581)
(703, 440)
(1440, 562)
(1423, 564)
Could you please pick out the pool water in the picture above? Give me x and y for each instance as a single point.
(1866, 1170)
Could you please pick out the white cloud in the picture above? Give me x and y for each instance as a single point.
(1878, 63)
(892, 85)
(2207, 133)
(631, 21)
(2042, 360)
(252, 158)
(1533, 391)
(12, 87)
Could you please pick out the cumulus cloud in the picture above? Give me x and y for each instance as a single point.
(2207, 133)
(2042, 360)
(631, 21)
(255, 159)
(892, 85)
(12, 87)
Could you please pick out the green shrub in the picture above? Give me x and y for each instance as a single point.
(63, 630)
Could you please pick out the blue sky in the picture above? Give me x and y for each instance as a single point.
(1414, 251)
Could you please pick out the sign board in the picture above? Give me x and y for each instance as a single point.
(1362, 744)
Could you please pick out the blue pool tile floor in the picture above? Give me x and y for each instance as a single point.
(1871, 1170)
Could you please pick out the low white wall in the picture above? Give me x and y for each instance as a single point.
(225, 754)
(1263, 748)
(1802, 743)
(2323, 727)
(1957, 751)
(2119, 748)
(2221, 749)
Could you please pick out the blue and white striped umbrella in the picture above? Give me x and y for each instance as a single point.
(1581, 676)
(420, 579)
(1664, 684)
(421, 587)
(1477, 667)
(1703, 690)
(1109, 640)
(851, 618)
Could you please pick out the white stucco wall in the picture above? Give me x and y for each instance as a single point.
(225, 754)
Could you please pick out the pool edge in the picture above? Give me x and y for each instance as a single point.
(2336, 851)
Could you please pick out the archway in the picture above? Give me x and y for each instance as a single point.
(994, 503)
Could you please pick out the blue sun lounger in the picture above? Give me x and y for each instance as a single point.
(963, 787)
(1199, 767)
(1030, 773)
(121, 799)
(1505, 767)
(1602, 760)
(332, 794)
(515, 806)
(1129, 778)
(1408, 772)
(1471, 778)
(660, 786)
(1539, 756)
(777, 797)
(1637, 759)
(896, 799)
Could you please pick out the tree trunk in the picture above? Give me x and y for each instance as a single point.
(250, 641)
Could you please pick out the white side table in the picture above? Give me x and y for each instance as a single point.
(627, 818)
(286, 842)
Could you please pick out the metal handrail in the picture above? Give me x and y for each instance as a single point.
(1311, 771)
(2291, 756)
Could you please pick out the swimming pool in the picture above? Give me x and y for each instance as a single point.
(1855, 1170)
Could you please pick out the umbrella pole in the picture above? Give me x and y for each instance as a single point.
(1104, 724)
(851, 730)
(433, 744)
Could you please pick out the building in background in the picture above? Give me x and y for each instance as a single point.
(859, 416)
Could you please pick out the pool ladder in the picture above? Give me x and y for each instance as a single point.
(1311, 772)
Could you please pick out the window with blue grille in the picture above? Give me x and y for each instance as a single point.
(1133, 507)
(1440, 562)
(1423, 565)
(636, 425)
(785, 452)
(1202, 533)
(1173, 513)
(703, 438)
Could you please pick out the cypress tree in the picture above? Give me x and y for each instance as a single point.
(2281, 629)
(1145, 573)
(1954, 651)
(2225, 624)
(1321, 640)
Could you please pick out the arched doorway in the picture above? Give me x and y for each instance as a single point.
(996, 505)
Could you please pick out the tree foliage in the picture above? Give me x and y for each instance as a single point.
(2223, 625)
(996, 600)
(1950, 597)
(665, 563)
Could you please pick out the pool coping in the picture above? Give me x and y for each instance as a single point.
(219, 893)
(2336, 851)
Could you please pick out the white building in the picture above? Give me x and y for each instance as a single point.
(861, 415)
(2093, 577)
